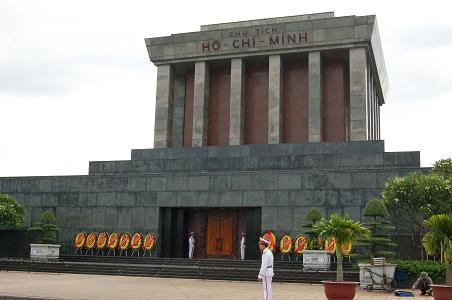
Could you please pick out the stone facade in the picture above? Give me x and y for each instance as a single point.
(276, 42)
(285, 180)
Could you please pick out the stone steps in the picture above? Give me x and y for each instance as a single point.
(225, 263)
(174, 268)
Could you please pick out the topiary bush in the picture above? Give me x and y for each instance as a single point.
(46, 227)
(378, 243)
(313, 216)
(375, 208)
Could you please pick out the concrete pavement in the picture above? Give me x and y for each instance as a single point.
(15, 285)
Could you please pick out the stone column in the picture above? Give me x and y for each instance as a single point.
(200, 104)
(164, 107)
(178, 111)
(358, 94)
(375, 107)
(237, 102)
(369, 106)
(275, 99)
(378, 119)
(315, 97)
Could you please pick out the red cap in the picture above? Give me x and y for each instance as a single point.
(264, 242)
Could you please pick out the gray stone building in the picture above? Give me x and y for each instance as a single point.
(256, 122)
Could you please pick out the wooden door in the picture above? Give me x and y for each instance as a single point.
(219, 235)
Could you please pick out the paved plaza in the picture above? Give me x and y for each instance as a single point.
(16, 285)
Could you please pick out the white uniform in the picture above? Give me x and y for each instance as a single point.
(266, 273)
(242, 248)
(191, 246)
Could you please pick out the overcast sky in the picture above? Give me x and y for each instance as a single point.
(76, 83)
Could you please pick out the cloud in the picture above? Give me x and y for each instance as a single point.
(53, 52)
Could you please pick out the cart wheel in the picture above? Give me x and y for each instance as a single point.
(387, 284)
(369, 287)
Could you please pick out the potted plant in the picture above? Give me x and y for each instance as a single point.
(314, 257)
(439, 238)
(47, 229)
(343, 230)
(376, 245)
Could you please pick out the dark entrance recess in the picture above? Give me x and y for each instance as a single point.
(15, 243)
(217, 231)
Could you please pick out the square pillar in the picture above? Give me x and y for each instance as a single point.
(200, 104)
(178, 111)
(369, 106)
(378, 118)
(164, 107)
(274, 99)
(315, 96)
(358, 95)
(376, 115)
(237, 102)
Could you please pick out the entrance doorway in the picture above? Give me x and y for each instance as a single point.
(217, 231)
(219, 236)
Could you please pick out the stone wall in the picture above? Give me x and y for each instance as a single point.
(286, 180)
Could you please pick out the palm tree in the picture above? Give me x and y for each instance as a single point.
(440, 238)
(342, 230)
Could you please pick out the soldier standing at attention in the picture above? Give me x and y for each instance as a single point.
(191, 245)
(242, 247)
(266, 271)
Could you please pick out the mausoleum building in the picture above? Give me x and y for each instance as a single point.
(256, 122)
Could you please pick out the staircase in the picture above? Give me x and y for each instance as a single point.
(213, 269)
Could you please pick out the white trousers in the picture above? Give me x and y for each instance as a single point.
(267, 285)
(191, 249)
(242, 253)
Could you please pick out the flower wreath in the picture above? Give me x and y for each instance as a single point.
(285, 244)
(137, 239)
(149, 242)
(113, 240)
(91, 240)
(80, 240)
(300, 244)
(330, 245)
(102, 240)
(347, 248)
(124, 241)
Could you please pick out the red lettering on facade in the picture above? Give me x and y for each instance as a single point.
(274, 40)
(216, 45)
(291, 38)
(205, 46)
(302, 37)
(246, 42)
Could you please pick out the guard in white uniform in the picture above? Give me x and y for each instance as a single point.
(242, 247)
(266, 271)
(191, 245)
